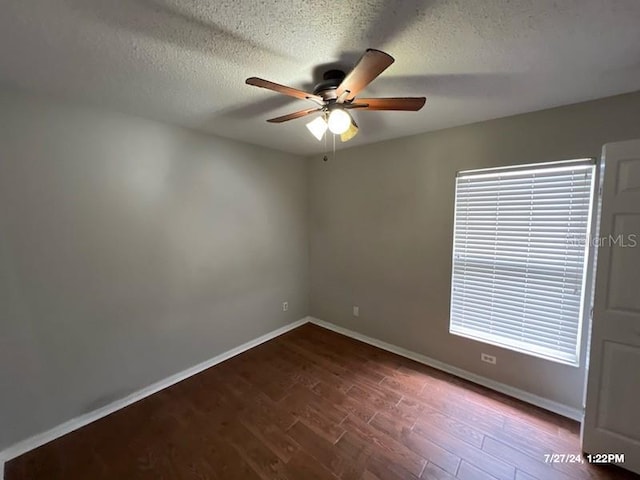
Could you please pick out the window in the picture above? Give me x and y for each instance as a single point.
(520, 256)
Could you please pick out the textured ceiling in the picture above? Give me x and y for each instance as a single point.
(185, 61)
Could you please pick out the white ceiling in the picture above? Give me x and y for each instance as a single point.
(185, 61)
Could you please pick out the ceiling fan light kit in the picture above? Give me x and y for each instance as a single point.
(337, 93)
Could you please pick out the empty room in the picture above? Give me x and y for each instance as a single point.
(320, 240)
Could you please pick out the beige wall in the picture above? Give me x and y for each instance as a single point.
(381, 221)
(131, 250)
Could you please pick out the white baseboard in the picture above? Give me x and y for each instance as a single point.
(545, 403)
(69, 426)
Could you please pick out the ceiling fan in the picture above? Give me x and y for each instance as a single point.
(336, 94)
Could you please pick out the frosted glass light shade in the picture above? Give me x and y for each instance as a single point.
(350, 132)
(339, 121)
(317, 127)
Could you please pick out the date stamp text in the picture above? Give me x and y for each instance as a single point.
(595, 458)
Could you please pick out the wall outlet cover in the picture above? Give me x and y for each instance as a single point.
(485, 357)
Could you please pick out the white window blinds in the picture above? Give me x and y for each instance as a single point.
(520, 254)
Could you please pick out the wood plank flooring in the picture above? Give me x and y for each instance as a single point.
(312, 404)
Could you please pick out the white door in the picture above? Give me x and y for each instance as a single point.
(612, 415)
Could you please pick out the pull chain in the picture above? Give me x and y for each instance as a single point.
(334, 147)
(324, 157)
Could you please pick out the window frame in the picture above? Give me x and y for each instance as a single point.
(586, 295)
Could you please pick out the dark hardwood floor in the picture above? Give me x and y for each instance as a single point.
(313, 404)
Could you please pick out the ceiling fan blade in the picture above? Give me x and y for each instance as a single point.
(370, 65)
(412, 104)
(283, 89)
(292, 116)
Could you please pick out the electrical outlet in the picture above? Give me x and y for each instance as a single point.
(285, 306)
(356, 311)
(488, 358)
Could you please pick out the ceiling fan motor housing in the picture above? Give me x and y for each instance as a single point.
(330, 82)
